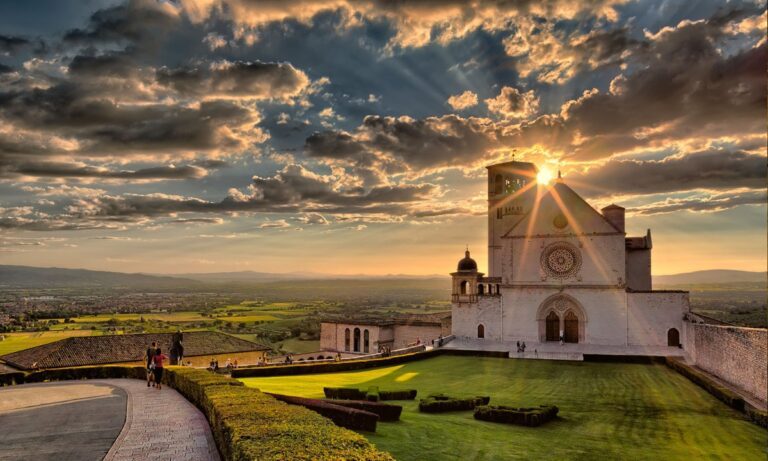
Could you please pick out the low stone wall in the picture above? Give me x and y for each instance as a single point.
(737, 355)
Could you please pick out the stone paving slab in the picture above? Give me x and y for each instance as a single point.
(70, 420)
(161, 425)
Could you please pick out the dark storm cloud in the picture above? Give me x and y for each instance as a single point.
(711, 203)
(333, 144)
(116, 64)
(262, 80)
(136, 21)
(712, 169)
(10, 44)
(292, 189)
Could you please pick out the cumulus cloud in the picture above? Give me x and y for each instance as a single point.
(10, 44)
(511, 103)
(463, 101)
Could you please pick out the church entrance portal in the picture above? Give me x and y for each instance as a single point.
(571, 327)
(553, 327)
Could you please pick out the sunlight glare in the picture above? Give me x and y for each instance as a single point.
(544, 177)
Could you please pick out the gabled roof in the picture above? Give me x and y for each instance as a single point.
(98, 350)
(588, 220)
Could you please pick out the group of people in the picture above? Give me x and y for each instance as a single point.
(521, 346)
(155, 360)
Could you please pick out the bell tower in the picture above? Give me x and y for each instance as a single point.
(511, 193)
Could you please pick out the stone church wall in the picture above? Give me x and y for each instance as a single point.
(651, 315)
(406, 335)
(465, 318)
(735, 354)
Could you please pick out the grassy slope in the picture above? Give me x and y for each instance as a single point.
(610, 411)
(19, 341)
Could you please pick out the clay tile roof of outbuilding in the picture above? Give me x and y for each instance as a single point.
(97, 350)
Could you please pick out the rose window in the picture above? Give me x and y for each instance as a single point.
(561, 260)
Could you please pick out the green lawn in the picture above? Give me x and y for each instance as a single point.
(607, 411)
(14, 342)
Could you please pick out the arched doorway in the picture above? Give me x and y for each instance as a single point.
(553, 327)
(357, 340)
(673, 338)
(346, 340)
(571, 327)
(481, 331)
(463, 287)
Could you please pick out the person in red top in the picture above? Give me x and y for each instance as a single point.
(159, 358)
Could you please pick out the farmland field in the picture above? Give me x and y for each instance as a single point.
(607, 411)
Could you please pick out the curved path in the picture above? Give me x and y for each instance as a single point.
(81, 420)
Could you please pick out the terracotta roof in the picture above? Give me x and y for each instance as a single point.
(96, 350)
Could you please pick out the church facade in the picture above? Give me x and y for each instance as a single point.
(559, 270)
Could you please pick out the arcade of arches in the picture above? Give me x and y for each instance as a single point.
(355, 347)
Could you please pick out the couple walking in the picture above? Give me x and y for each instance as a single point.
(155, 360)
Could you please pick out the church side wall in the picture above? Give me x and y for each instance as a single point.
(652, 315)
(605, 310)
(332, 336)
(603, 260)
(639, 270)
(737, 355)
(465, 317)
(406, 335)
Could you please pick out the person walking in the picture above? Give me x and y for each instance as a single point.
(158, 359)
(148, 357)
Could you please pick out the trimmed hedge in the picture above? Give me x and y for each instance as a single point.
(94, 372)
(530, 417)
(387, 412)
(373, 394)
(722, 393)
(439, 403)
(351, 418)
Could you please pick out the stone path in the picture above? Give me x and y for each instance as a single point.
(554, 350)
(81, 420)
(66, 421)
(161, 425)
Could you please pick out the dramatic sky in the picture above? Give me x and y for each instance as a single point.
(345, 136)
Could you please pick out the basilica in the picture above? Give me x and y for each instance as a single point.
(560, 271)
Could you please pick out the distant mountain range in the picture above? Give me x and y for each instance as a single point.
(718, 276)
(45, 277)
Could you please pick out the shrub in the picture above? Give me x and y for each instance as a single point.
(439, 403)
(9, 379)
(373, 394)
(344, 416)
(759, 417)
(344, 393)
(722, 393)
(387, 412)
(353, 393)
(406, 394)
(531, 417)
(94, 372)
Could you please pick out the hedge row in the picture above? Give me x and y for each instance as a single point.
(9, 379)
(246, 423)
(759, 417)
(344, 416)
(373, 394)
(387, 412)
(730, 398)
(65, 374)
(531, 417)
(438, 403)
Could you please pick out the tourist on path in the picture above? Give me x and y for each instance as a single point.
(158, 360)
(149, 356)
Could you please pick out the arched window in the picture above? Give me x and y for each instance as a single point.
(346, 340)
(498, 184)
(480, 289)
(365, 341)
(480, 331)
(463, 287)
(356, 343)
(673, 338)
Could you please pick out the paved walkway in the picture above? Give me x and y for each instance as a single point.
(110, 419)
(161, 425)
(568, 351)
(66, 421)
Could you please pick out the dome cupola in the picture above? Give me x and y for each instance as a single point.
(467, 264)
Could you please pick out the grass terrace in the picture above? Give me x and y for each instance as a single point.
(610, 411)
